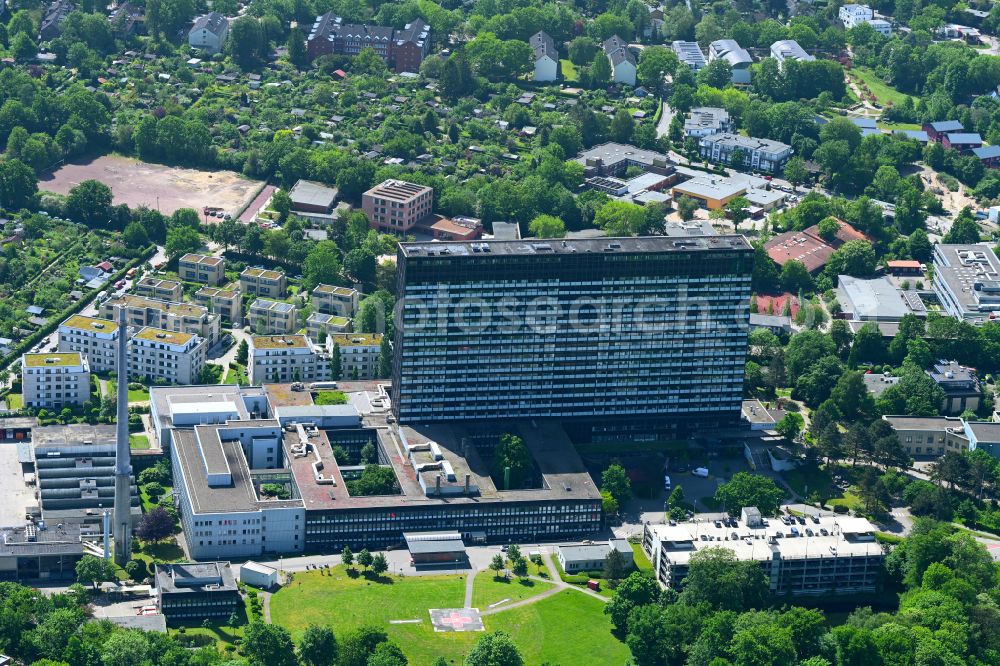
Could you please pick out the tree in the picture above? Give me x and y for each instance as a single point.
(135, 235)
(155, 525)
(247, 43)
(622, 126)
(379, 564)
(717, 74)
(614, 567)
(852, 397)
(322, 265)
(964, 229)
(297, 53)
(655, 63)
(717, 578)
(497, 565)
(795, 171)
(243, 352)
(347, 556)
(519, 565)
(92, 570)
(18, 184)
(496, 649)
(869, 346)
(738, 209)
(795, 276)
(547, 226)
(636, 590)
(790, 426)
(600, 70)
(384, 358)
(609, 505)
(582, 50)
(358, 645)
(365, 558)
(387, 653)
(318, 646)
(615, 481)
(512, 454)
(281, 202)
(181, 240)
(686, 207)
(89, 203)
(745, 489)
(268, 645)
(855, 257)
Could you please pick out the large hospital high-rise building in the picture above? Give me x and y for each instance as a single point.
(611, 335)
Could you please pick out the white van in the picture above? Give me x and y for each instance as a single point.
(700, 471)
(666, 483)
(323, 386)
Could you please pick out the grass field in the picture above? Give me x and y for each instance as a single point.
(567, 628)
(882, 91)
(15, 401)
(138, 396)
(568, 70)
(237, 376)
(489, 590)
(138, 442)
(642, 562)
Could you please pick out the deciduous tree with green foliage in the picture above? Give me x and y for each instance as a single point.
(745, 489)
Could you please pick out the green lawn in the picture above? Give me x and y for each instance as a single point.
(489, 590)
(139, 442)
(642, 562)
(809, 480)
(567, 628)
(568, 70)
(15, 401)
(331, 398)
(850, 499)
(237, 376)
(138, 396)
(883, 92)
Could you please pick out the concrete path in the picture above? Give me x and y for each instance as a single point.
(470, 580)
(265, 599)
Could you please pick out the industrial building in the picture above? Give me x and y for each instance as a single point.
(967, 281)
(191, 592)
(39, 552)
(877, 299)
(830, 555)
(615, 348)
(311, 197)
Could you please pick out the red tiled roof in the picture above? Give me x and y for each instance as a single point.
(903, 263)
(808, 246)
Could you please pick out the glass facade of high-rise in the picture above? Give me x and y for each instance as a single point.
(602, 330)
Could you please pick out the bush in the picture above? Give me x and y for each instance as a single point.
(839, 508)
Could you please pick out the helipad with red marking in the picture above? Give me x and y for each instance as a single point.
(456, 619)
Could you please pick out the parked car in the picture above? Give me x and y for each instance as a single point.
(700, 471)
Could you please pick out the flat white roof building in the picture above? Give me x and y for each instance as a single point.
(826, 555)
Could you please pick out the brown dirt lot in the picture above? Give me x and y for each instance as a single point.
(140, 183)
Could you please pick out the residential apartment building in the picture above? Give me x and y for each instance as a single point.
(165, 290)
(546, 57)
(328, 299)
(209, 33)
(319, 326)
(227, 303)
(854, 15)
(403, 49)
(690, 54)
(53, 18)
(261, 282)
(929, 436)
(756, 154)
(267, 317)
(359, 354)
(175, 317)
(396, 206)
(202, 268)
(287, 358)
(840, 556)
(55, 380)
(167, 356)
(94, 338)
(738, 58)
(967, 281)
(789, 49)
(554, 361)
(707, 120)
(622, 60)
